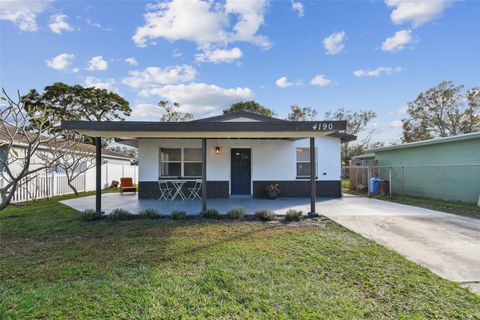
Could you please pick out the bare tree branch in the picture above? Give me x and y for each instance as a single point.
(23, 141)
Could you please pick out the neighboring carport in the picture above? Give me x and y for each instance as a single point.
(447, 244)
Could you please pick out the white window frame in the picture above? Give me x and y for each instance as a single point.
(182, 162)
(308, 161)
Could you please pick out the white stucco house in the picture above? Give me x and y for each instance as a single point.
(235, 154)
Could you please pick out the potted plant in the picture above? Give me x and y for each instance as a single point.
(272, 191)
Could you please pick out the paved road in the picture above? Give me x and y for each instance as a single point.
(447, 244)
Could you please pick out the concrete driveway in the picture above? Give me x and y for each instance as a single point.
(447, 244)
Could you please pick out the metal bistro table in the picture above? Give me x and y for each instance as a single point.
(178, 185)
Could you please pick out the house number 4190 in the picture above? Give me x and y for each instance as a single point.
(323, 126)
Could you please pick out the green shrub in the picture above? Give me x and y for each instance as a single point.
(264, 215)
(120, 215)
(149, 213)
(90, 215)
(236, 213)
(294, 215)
(211, 213)
(178, 215)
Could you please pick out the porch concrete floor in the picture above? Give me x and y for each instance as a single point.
(131, 203)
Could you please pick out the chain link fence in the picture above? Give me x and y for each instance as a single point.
(445, 182)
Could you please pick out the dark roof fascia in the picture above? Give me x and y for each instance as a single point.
(240, 114)
(343, 136)
(145, 126)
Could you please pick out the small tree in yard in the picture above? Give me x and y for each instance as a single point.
(74, 161)
(26, 133)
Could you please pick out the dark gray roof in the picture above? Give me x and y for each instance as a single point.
(205, 126)
(240, 114)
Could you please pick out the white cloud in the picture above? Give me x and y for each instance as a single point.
(23, 13)
(154, 76)
(250, 16)
(108, 84)
(131, 61)
(283, 82)
(333, 44)
(376, 72)
(146, 110)
(298, 7)
(61, 62)
(398, 41)
(97, 63)
(401, 110)
(396, 124)
(200, 98)
(176, 53)
(206, 23)
(219, 55)
(95, 24)
(416, 12)
(58, 23)
(320, 80)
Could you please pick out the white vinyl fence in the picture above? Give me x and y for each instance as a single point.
(44, 185)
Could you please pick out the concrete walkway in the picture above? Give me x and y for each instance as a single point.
(447, 244)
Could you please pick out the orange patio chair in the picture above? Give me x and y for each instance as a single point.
(126, 185)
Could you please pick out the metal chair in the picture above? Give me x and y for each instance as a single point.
(165, 190)
(195, 190)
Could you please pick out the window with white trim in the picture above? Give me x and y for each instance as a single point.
(180, 162)
(303, 162)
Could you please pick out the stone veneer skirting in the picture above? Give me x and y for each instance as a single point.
(215, 189)
(299, 188)
(221, 189)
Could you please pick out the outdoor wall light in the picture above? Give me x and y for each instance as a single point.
(217, 150)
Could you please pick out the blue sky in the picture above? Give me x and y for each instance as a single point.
(374, 55)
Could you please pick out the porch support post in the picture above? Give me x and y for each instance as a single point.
(98, 177)
(204, 174)
(313, 186)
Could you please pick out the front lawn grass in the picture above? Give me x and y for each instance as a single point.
(55, 266)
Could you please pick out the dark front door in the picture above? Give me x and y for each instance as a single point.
(241, 173)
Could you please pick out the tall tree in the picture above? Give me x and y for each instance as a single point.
(250, 106)
(63, 102)
(442, 111)
(172, 112)
(298, 113)
(357, 123)
(66, 102)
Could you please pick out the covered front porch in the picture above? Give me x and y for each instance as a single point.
(131, 203)
(257, 151)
